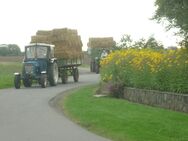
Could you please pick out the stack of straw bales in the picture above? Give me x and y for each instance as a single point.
(106, 42)
(68, 44)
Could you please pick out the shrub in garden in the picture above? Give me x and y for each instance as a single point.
(116, 89)
(165, 70)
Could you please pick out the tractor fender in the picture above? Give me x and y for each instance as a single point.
(52, 60)
(17, 73)
(43, 72)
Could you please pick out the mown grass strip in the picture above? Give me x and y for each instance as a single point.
(7, 70)
(121, 120)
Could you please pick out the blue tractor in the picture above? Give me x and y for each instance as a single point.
(39, 64)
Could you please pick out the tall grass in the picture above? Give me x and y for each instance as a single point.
(7, 70)
(164, 70)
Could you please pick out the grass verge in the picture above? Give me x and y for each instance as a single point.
(7, 70)
(85, 66)
(121, 120)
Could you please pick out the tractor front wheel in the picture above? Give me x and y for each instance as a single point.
(43, 81)
(17, 81)
(27, 81)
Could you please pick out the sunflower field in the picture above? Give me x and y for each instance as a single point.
(164, 70)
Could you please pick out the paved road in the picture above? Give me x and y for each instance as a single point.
(25, 114)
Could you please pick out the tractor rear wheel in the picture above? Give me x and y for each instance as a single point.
(53, 74)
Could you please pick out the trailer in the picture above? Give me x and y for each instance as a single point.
(68, 67)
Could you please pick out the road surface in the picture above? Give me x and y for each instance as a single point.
(25, 114)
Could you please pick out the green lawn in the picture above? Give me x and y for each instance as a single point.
(7, 70)
(121, 120)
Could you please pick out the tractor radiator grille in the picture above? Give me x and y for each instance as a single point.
(28, 68)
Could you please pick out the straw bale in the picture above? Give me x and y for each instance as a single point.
(68, 54)
(64, 31)
(106, 42)
(44, 32)
(40, 39)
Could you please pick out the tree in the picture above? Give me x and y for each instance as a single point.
(151, 42)
(174, 11)
(139, 44)
(125, 42)
(14, 50)
(4, 51)
(10, 50)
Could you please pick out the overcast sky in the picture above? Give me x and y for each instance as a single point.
(20, 19)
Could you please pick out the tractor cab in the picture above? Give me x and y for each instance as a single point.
(39, 51)
(37, 57)
(37, 65)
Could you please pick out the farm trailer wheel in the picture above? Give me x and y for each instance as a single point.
(75, 74)
(64, 76)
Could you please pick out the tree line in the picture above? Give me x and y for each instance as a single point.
(10, 50)
(127, 42)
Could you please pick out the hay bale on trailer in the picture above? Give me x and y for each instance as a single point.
(44, 32)
(40, 39)
(104, 42)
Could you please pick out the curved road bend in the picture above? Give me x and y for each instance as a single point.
(25, 114)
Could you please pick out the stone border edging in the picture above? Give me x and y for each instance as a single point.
(173, 101)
